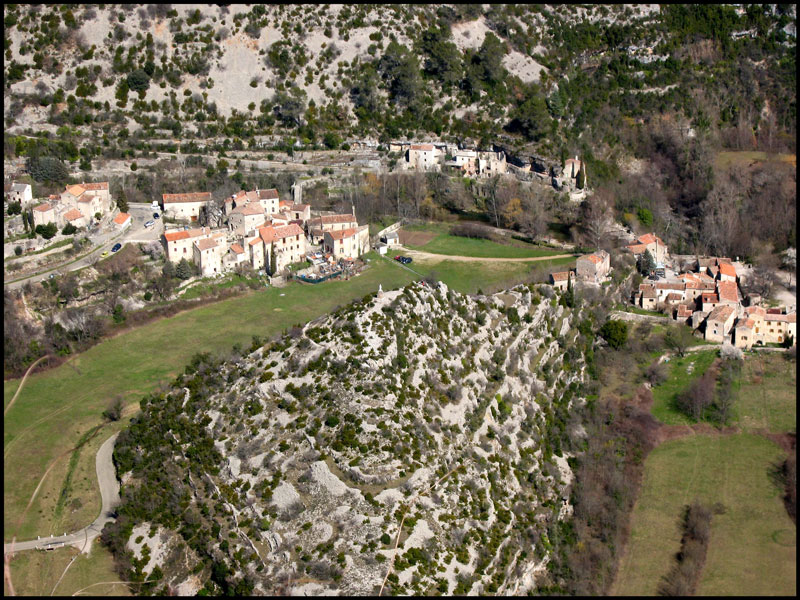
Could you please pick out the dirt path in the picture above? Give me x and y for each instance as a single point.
(442, 257)
(22, 383)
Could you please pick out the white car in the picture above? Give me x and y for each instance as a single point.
(150, 223)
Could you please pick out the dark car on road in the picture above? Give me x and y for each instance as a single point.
(156, 216)
(405, 259)
(116, 247)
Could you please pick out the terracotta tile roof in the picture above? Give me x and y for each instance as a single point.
(749, 323)
(86, 198)
(94, 187)
(712, 298)
(172, 236)
(205, 244)
(649, 238)
(73, 214)
(674, 285)
(721, 313)
(727, 291)
(342, 233)
(332, 219)
(637, 248)
(673, 297)
(190, 197)
(237, 248)
(249, 209)
(7, 187)
(684, 310)
(271, 194)
(285, 231)
(426, 147)
(76, 190)
(299, 207)
(254, 241)
(121, 218)
(267, 234)
(772, 317)
(43, 207)
(727, 269)
(592, 258)
(648, 291)
(560, 276)
(755, 310)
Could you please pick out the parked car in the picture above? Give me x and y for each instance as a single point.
(405, 259)
(398, 258)
(104, 254)
(150, 223)
(156, 216)
(116, 247)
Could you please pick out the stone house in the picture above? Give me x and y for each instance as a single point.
(234, 257)
(44, 214)
(89, 198)
(317, 226)
(708, 302)
(298, 212)
(18, 192)
(246, 217)
(647, 297)
(207, 254)
(593, 267)
(491, 164)
(727, 272)
(772, 326)
(743, 333)
(268, 199)
(658, 249)
(560, 280)
(719, 323)
(185, 206)
(178, 243)
(122, 221)
(683, 313)
(423, 157)
(342, 243)
(728, 293)
(75, 218)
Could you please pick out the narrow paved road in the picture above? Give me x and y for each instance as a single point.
(135, 233)
(441, 257)
(109, 491)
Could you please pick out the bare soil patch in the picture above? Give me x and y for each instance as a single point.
(415, 238)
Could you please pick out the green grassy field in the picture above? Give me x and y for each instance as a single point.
(36, 573)
(664, 395)
(469, 277)
(771, 402)
(752, 549)
(453, 245)
(59, 405)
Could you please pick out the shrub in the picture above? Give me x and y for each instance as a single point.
(18, 250)
(69, 229)
(615, 332)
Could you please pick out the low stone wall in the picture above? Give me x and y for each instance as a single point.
(637, 318)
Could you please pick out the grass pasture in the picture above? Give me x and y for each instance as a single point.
(753, 545)
(36, 573)
(767, 393)
(469, 277)
(436, 239)
(664, 395)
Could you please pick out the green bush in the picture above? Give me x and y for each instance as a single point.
(615, 332)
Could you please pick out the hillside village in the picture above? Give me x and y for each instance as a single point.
(400, 299)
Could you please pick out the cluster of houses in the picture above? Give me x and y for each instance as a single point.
(470, 162)
(79, 204)
(262, 232)
(707, 297)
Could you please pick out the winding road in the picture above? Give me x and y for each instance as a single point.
(109, 492)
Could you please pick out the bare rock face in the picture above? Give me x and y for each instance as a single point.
(292, 467)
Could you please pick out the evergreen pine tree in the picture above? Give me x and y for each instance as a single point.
(581, 180)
